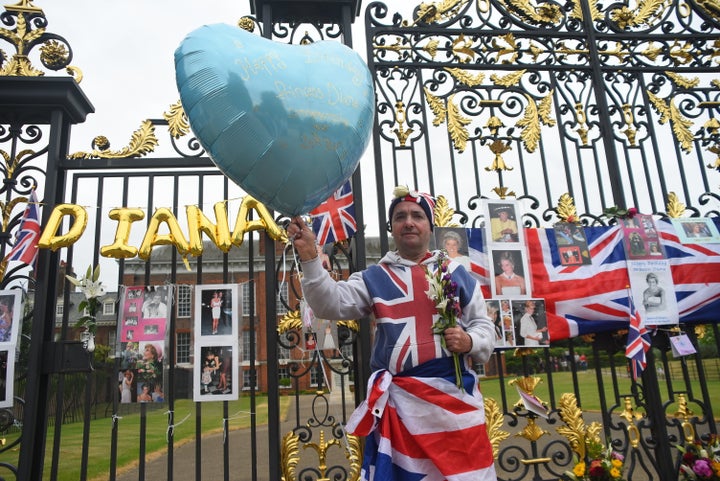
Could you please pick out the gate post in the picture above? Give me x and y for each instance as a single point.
(316, 12)
(59, 103)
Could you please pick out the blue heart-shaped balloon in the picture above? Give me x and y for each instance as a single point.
(287, 123)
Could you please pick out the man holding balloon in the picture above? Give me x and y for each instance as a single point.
(416, 419)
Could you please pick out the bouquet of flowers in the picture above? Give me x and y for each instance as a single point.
(701, 461)
(603, 464)
(442, 290)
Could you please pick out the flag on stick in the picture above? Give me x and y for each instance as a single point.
(638, 341)
(334, 219)
(28, 234)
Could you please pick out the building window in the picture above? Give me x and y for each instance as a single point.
(184, 300)
(248, 292)
(315, 375)
(283, 353)
(108, 308)
(59, 310)
(284, 379)
(182, 348)
(246, 380)
(282, 294)
(248, 337)
(480, 369)
(112, 339)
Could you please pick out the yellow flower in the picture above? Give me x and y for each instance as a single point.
(716, 467)
(616, 463)
(615, 472)
(579, 469)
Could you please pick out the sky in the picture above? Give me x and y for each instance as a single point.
(125, 52)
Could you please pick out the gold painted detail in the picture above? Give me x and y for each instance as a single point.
(674, 207)
(685, 413)
(532, 432)
(509, 80)
(456, 125)
(682, 81)
(710, 7)
(494, 424)
(177, 120)
(536, 461)
(629, 119)
(465, 77)
(443, 213)
(530, 125)
(631, 417)
(142, 142)
(510, 48)
(566, 210)
(53, 54)
(7, 210)
(400, 131)
(581, 117)
(352, 325)
(504, 192)
(595, 12)
(462, 49)
(291, 321)
(437, 11)
(354, 454)
(321, 449)
(645, 13)
(246, 23)
(534, 13)
(289, 456)
(498, 147)
(578, 434)
(680, 125)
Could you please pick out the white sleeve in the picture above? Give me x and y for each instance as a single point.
(334, 300)
(479, 326)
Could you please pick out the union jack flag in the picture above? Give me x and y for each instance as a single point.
(413, 418)
(593, 298)
(334, 219)
(638, 342)
(28, 235)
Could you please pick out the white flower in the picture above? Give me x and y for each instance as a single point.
(92, 289)
(401, 191)
(435, 289)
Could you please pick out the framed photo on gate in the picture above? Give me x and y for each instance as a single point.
(509, 273)
(503, 222)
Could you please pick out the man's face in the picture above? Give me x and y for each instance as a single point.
(410, 229)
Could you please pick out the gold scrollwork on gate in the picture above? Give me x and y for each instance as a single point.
(142, 142)
(575, 430)
(290, 455)
(685, 414)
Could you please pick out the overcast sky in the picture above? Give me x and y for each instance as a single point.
(125, 52)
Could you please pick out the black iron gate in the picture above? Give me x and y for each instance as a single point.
(476, 99)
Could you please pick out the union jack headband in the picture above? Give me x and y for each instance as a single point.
(403, 194)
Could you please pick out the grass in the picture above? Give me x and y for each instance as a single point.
(588, 389)
(129, 434)
(239, 415)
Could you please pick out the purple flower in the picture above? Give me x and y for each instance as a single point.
(702, 468)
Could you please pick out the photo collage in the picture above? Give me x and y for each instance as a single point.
(216, 342)
(142, 334)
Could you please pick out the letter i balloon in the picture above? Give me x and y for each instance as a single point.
(287, 123)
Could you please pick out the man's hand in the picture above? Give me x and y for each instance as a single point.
(302, 238)
(457, 340)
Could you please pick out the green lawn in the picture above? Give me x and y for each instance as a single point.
(239, 414)
(128, 435)
(588, 386)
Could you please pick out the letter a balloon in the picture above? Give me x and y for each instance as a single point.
(287, 123)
